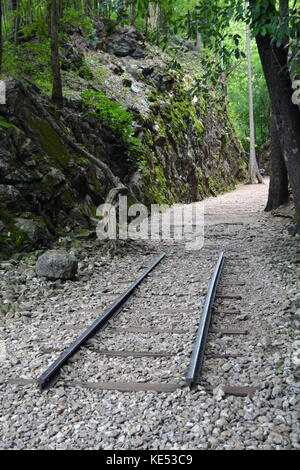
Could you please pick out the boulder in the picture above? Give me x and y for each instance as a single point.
(34, 229)
(57, 264)
(126, 41)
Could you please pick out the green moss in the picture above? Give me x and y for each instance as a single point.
(216, 157)
(17, 236)
(158, 186)
(176, 115)
(217, 185)
(173, 119)
(201, 190)
(202, 104)
(101, 74)
(199, 130)
(68, 197)
(214, 186)
(148, 138)
(161, 125)
(95, 182)
(83, 162)
(186, 189)
(49, 140)
(243, 167)
(158, 173)
(85, 71)
(156, 189)
(201, 187)
(47, 184)
(152, 98)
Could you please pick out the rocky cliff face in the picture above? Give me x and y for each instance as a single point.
(57, 167)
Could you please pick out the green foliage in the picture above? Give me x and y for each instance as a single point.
(29, 59)
(92, 39)
(115, 117)
(75, 19)
(6, 124)
(16, 235)
(221, 25)
(237, 85)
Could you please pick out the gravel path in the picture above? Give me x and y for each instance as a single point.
(40, 319)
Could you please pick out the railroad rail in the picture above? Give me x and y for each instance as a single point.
(193, 376)
(195, 367)
(49, 376)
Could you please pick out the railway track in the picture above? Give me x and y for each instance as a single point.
(151, 339)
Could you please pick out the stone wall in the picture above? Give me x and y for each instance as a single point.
(57, 167)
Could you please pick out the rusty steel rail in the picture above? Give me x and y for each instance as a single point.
(196, 361)
(47, 378)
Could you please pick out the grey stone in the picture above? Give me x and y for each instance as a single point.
(126, 42)
(226, 367)
(34, 229)
(57, 264)
(8, 194)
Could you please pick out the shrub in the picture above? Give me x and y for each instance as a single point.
(115, 117)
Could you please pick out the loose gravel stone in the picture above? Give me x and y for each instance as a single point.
(40, 318)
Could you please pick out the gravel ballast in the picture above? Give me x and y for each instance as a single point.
(41, 318)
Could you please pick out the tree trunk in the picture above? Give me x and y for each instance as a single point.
(286, 114)
(198, 40)
(123, 13)
(283, 7)
(16, 21)
(198, 35)
(189, 25)
(278, 189)
(48, 18)
(253, 172)
(61, 6)
(152, 16)
(158, 12)
(147, 21)
(132, 13)
(57, 96)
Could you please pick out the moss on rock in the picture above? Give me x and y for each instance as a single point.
(48, 139)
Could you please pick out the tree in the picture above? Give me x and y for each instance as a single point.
(278, 189)
(253, 172)
(270, 35)
(132, 12)
(198, 38)
(16, 20)
(277, 35)
(57, 96)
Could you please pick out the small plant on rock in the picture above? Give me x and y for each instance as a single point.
(115, 117)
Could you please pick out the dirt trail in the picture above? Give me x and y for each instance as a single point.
(191, 222)
(241, 205)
